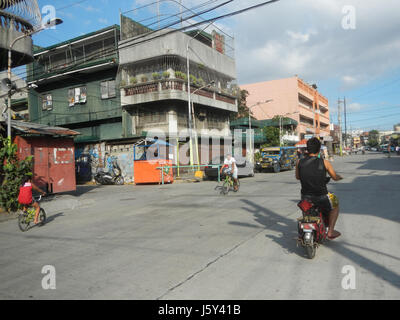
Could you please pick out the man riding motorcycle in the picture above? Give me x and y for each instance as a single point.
(311, 171)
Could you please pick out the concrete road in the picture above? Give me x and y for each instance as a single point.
(186, 241)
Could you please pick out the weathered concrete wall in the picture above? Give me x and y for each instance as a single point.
(175, 44)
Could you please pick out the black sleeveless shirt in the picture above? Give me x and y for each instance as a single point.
(312, 173)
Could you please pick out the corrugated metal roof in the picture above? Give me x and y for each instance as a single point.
(36, 128)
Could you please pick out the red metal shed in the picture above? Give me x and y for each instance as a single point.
(53, 155)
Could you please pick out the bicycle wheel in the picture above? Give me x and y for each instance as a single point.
(225, 187)
(23, 224)
(42, 217)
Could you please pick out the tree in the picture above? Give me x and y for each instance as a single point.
(373, 138)
(272, 136)
(11, 174)
(243, 110)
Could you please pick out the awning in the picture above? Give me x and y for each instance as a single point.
(301, 144)
(36, 128)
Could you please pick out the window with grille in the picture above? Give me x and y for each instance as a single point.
(107, 89)
(47, 102)
(77, 96)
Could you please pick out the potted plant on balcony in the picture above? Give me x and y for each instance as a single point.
(144, 79)
(155, 76)
(166, 74)
(193, 79)
(200, 82)
(122, 83)
(180, 75)
(133, 80)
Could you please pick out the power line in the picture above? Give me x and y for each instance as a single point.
(113, 50)
(180, 29)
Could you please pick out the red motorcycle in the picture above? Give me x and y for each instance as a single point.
(312, 227)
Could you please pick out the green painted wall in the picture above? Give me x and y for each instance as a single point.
(101, 132)
(94, 109)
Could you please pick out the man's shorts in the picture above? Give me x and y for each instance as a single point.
(235, 174)
(326, 202)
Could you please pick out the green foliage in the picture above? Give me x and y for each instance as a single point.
(200, 82)
(122, 83)
(373, 138)
(272, 136)
(11, 174)
(243, 110)
(193, 79)
(181, 75)
(144, 79)
(155, 75)
(166, 74)
(257, 156)
(132, 80)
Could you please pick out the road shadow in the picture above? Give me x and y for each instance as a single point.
(382, 164)
(288, 230)
(48, 220)
(54, 216)
(80, 190)
(380, 200)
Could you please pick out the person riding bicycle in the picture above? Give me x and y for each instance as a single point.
(25, 196)
(311, 171)
(230, 164)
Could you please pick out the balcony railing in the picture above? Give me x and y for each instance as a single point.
(179, 85)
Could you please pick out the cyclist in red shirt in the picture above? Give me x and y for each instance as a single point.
(25, 196)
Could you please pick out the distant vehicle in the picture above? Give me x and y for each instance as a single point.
(277, 158)
(384, 148)
(245, 169)
(374, 149)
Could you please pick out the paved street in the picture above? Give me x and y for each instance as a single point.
(186, 241)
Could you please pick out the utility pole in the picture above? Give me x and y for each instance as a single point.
(340, 129)
(345, 122)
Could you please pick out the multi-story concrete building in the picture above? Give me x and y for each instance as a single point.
(154, 86)
(293, 98)
(76, 87)
(115, 93)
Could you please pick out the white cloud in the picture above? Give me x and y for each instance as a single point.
(355, 106)
(305, 37)
(103, 20)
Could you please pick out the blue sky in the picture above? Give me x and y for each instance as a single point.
(286, 38)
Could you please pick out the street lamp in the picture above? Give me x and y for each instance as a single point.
(280, 125)
(49, 24)
(251, 143)
(194, 120)
(189, 94)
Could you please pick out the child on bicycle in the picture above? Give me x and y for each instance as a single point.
(25, 196)
(230, 163)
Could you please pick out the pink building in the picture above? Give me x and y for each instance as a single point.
(292, 98)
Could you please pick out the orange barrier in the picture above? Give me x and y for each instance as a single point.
(145, 171)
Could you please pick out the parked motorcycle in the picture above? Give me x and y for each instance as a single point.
(112, 177)
(312, 227)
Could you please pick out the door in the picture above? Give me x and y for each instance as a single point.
(41, 166)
